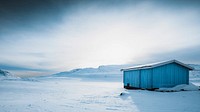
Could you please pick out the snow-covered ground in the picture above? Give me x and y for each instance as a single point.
(75, 95)
(92, 90)
(181, 87)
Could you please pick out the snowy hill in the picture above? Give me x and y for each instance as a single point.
(195, 74)
(195, 66)
(108, 72)
(5, 74)
(87, 71)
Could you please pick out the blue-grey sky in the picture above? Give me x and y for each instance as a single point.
(44, 36)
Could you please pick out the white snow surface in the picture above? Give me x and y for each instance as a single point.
(181, 87)
(76, 95)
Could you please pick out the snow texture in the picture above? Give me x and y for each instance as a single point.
(76, 95)
(71, 93)
(181, 87)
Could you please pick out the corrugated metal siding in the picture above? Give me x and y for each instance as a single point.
(132, 77)
(170, 75)
(146, 78)
(182, 75)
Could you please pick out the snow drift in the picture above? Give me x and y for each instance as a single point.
(181, 87)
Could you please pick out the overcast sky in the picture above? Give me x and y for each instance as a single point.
(59, 35)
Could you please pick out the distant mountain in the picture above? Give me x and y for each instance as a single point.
(5, 73)
(107, 71)
(195, 66)
(195, 74)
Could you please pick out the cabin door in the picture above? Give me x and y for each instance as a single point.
(135, 78)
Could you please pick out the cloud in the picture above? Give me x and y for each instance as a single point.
(67, 35)
(187, 55)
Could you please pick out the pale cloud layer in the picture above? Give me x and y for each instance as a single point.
(90, 35)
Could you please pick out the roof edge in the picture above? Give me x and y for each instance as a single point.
(153, 65)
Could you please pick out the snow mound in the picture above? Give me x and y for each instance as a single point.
(181, 87)
(124, 93)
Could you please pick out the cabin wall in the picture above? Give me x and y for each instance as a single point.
(170, 75)
(146, 79)
(132, 78)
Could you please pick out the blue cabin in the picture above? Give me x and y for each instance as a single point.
(156, 75)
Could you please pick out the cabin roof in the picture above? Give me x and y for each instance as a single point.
(157, 64)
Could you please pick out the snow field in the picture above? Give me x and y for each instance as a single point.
(76, 95)
(57, 95)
